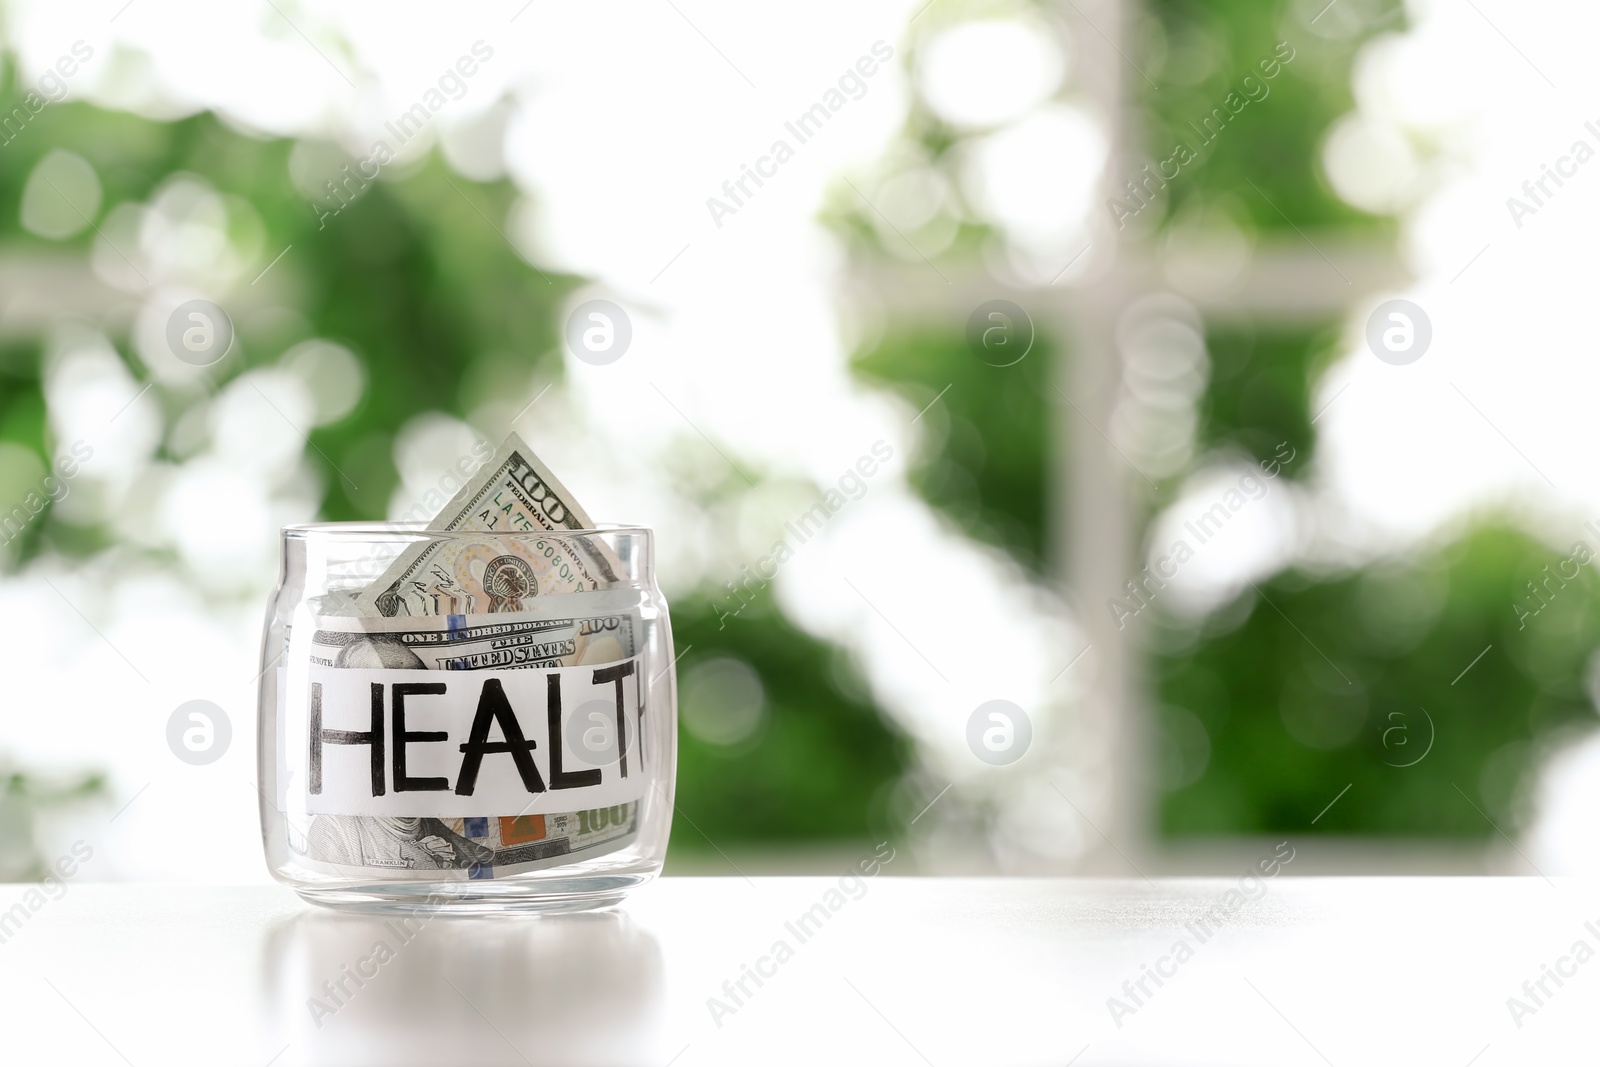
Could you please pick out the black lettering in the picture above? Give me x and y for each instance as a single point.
(616, 673)
(404, 783)
(560, 779)
(493, 706)
(373, 737)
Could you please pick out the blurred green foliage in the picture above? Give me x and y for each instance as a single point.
(984, 459)
(410, 276)
(819, 766)
(1265, 711)
(1364, 678)
(1259, 391)
(1263, 167)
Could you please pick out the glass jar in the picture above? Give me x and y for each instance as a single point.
(466, 721)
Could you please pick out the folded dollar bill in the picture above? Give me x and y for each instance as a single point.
(513, 493)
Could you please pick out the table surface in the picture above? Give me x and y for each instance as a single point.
(914, 971)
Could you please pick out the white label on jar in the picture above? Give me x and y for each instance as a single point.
(448, 744)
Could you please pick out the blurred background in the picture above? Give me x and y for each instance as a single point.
(1101, 288)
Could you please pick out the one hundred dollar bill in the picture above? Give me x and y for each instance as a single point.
(514, 493)
(606, 633)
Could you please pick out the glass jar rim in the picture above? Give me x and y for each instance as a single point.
(416, 528)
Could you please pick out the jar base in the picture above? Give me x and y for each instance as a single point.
(542, 896)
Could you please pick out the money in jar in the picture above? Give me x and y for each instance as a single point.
(489, 724)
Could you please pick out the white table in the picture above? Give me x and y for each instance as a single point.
(915, 971)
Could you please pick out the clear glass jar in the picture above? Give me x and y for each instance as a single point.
(466, 721)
